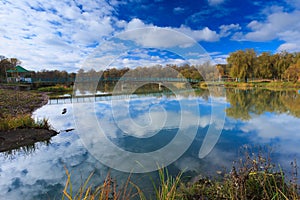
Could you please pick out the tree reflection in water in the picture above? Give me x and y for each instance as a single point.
(25, 150)
(243, 103)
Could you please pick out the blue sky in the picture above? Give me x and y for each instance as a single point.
(61, 34)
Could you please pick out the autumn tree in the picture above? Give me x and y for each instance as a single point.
(264, 66)
(282, 61)
(293, 72)
(6, 64)
(242, 64)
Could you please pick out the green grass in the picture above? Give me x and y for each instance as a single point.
(168, 185)
(267, 85)
(22, 121)
(55, 89)
(284, 85)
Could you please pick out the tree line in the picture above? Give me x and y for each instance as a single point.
(241, 65)
(246, 64)
(207, 72)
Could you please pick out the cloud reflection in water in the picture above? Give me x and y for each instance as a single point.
(41, 172)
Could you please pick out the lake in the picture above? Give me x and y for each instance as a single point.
(215, 130)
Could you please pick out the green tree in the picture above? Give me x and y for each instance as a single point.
(264, 67)
(293, 72)
(283, 61)
(242, 64)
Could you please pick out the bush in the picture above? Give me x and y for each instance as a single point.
(57, 88)
(254, 177)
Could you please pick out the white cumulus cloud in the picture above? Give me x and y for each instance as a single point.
(154, 36)
(52, 34)
(278, 25)
(62, 34)
(226, 30)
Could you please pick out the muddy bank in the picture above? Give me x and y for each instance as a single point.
(14, 139)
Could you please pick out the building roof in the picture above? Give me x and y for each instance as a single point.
(18, 69)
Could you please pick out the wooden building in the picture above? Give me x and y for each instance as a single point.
(18, 74)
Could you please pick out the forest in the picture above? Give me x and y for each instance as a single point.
(242, 65)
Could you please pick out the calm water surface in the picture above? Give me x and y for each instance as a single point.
(254, 119)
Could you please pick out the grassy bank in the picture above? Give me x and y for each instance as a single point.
(22, 121)
(274, 85)
(56, 89)
(253, 177)
(17, 128)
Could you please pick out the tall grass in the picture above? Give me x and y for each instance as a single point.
(168, 185)
(108, 190)
(22, 121)
(254, 177)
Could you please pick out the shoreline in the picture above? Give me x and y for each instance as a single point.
(15, 139)
(13, 104)
(277, 85)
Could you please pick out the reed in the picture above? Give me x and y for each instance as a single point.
(108, 190)
(252, 177)
(168, 185)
